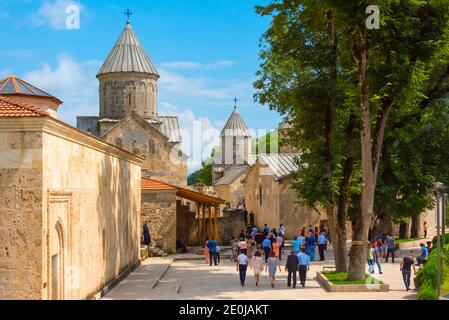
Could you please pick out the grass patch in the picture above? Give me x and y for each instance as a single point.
(341, 278)
(397, 240)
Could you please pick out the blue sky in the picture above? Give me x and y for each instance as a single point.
(205, 50)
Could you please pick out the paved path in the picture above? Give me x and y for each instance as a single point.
(192, 279)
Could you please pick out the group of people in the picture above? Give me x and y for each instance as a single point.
(255, 239)
(316, 238)
(383, 247)
(295, 262)
(271, 243)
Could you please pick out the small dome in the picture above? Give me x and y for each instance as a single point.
(128, 55)
(12, 85)
(236, 126)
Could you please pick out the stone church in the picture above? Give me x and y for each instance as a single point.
(128, 116)
(73, 200)
(262, 182)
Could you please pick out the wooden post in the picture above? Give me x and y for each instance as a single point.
(216, 212)
(198, 221)
(204, 223)
(210, 220)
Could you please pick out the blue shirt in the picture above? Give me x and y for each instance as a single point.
(390, 242)
(424, 252)
(310, 241)
(266, 229)
(304, 259)
(321, 239)
(266, 243)
(295, 245)
(301, 240)
(212, 245)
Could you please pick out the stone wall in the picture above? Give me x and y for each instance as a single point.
(159, 209)
(234, 192)
(73, 226)
(292, 214)
(163, 161)
(120, 94)
(185, 224)
(279, 203)
(21, 215)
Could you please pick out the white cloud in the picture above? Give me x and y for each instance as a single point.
(54, 13)
(72, 82)
(200, 87)
(185, 65)
(199, 135)
(190, 65)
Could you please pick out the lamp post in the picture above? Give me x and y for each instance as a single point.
(440, 204)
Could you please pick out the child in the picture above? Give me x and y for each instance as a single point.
(217, 251)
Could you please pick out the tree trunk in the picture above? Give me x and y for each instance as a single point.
(357, 255)
(339, 239)
(414, 230)
(403, 230)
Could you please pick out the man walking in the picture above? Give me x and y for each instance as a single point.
(406, 268)
(212, 246)
(390, 247)
(292, 267)
(304, 261)
(322, 241)
(266, 244)
(242, 265)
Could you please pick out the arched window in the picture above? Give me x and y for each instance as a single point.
(260, 196)
(57, 263)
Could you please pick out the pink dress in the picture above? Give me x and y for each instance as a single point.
(276, 249)
(206, 254)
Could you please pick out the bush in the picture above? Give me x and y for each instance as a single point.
(427, 292)
(426, 278)
(428, 274)
(434, 240)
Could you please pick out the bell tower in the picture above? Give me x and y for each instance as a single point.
(128, 79)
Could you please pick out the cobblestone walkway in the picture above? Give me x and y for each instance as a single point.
(192, 279)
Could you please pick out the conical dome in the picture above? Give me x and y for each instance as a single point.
(128, 55)
(235, 126)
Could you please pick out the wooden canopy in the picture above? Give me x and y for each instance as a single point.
(207, 206)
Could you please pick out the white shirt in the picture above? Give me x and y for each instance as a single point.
(243, 259)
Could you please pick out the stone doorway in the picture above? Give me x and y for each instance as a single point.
(57, 264)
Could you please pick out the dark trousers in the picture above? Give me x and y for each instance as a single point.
(390, 250)
(213, 255)
(267, 253)
(406, 274)
(218, 256)
(242, 272)
(280, 251)
(289, 278)
(321, 251)
(302, 275)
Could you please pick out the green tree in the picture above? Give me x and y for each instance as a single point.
(308, 71)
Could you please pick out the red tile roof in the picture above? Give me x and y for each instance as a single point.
(15, 108)
(150, 184)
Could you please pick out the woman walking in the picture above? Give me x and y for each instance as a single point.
(206, 252)
(257, 266)
(275, 248)
(272, 265)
